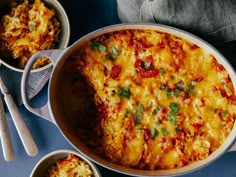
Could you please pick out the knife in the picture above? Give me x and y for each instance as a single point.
(7, 147)
(22, 129)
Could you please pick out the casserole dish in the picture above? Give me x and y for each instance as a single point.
(59, 110)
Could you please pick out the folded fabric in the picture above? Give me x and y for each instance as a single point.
(12, 79)
(213, 20)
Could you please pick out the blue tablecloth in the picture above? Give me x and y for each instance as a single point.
(85, 16)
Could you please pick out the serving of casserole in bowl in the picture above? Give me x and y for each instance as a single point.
(64, 162)
(27, 27)
(142, 99)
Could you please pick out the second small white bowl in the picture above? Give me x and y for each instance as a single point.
(49, 160)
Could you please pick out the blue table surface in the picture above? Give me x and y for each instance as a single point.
(85, 16)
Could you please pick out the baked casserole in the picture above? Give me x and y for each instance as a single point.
(161, 101)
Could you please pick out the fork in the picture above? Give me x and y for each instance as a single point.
(7, 147)
(23, 131)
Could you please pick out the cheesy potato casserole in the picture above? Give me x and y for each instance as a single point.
(161, 101)
(71, 166)
(27, 29)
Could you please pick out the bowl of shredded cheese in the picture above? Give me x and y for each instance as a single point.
(64, 163)
(27, 27)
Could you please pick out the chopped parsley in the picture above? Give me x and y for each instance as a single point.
(157, 122)
(124, 92)
(192, 85)
(138, 119)
(126, 113)
(213, 110)
(163, 86)
(159, 107)
(172, 120)
(95, 45)
(174, 107)
(189, 89)
(115, 51)
(162, 71)
(224, 113)
(172, 93)
(181, 87)
(111, 57)
(150, 104)
(32, 26)
(178, 129)
(147, 65)
(154, 112)
(154, 133)
(141, 108)
(133, 112)
(164, 131)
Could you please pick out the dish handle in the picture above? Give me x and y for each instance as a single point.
(43, 111)
(232, 148)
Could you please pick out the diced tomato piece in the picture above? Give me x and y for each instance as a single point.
(115, 71)
(147, 134)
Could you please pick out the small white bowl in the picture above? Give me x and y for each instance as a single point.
(46, 162)
(62, 17)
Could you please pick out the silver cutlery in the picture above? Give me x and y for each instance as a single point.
(22, 129)
(7, 147)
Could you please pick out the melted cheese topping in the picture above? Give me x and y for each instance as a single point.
(162, 102)
(70, 166)
(27, 29)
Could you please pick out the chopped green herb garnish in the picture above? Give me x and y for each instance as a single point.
(191, 93)
(162, 71)
(133, 112)
(126, 113)
(172, 93)
(174, 107)
(154, 112)
(178, 129)
(163, 86)
(225, 86)
(159, 107)
(222, 125)
(147, 64)
(124, 92)
(172, 120)
(150, 104)
(141, 108)
(32, 26)
(181, 87)
(164, 131)
(192, 85)
(115, 51)
(157, 122)
(138, 119)
(140, 128)
(154, 133)
(224, 113)
(135, 73)
(213, 110)
(95, 45)
(111, 57)
(104, 60)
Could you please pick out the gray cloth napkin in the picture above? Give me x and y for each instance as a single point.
(213, 20)
(12, 80)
